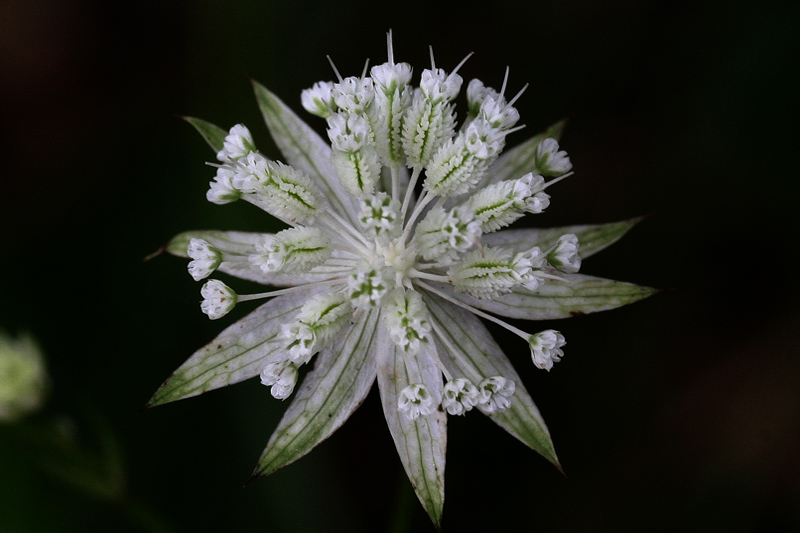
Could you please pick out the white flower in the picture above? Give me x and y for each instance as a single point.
(318, 100)
(445, 235)
(205, 259)
(460, 396)
(494, 394)
(546, 348)
(355, 156)
(379, 215)
(379, 282)
(281, 376)
(292, 250)
(238, 143)
(23, 378)
(407, 320)
(565, 254)
(221, 190)
(416, 400)
(550, 161)
(489, 272)
(218, 299)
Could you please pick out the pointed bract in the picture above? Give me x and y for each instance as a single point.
(479, 354)
(422, 441)
(236, 354)
(339, 382)
(213, 134)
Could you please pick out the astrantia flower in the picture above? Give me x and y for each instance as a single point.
(391, 260)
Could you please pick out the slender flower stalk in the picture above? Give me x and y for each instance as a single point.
(391, 261)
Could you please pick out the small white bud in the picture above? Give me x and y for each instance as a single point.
(549, 160)
(205, 258)
(281, 376)
(218, 299)
(366, 288)
(460, 396)
(315, 326)
(492, 271)
(499, 204)
(407, 320)
(300, 340)
(546, 348)
(498, 113)
(390, 77)
(379, 215)
(221, 190)
(416, 400)
(494, 394)
(476, 94)
(278, 189)
(238, 143)
(353, 94)
(537, 203)
(526, 266)
(318, 100)
(565, 254)
(251, 174)
(444, 235)
(438, 86)
(484, 141)
(538, 200)
(348, 132)
(292, 250)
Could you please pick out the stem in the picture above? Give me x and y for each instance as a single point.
(556, 180)
(412, 182)
(423, 201)
(427, 275)
(341, 262)
(359, 244)
(475, 311)
(395, 181)
(349, 227)
(426, 266)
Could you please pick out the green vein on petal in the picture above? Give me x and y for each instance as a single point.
(339, 382)
(303, 149)
(479, 353)
(236, 354)
(421, 443)
(592, 238)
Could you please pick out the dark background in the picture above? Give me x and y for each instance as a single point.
(678, 413)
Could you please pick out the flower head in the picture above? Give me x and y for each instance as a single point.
(392, 259)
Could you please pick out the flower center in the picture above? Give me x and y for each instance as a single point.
(399, 257)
